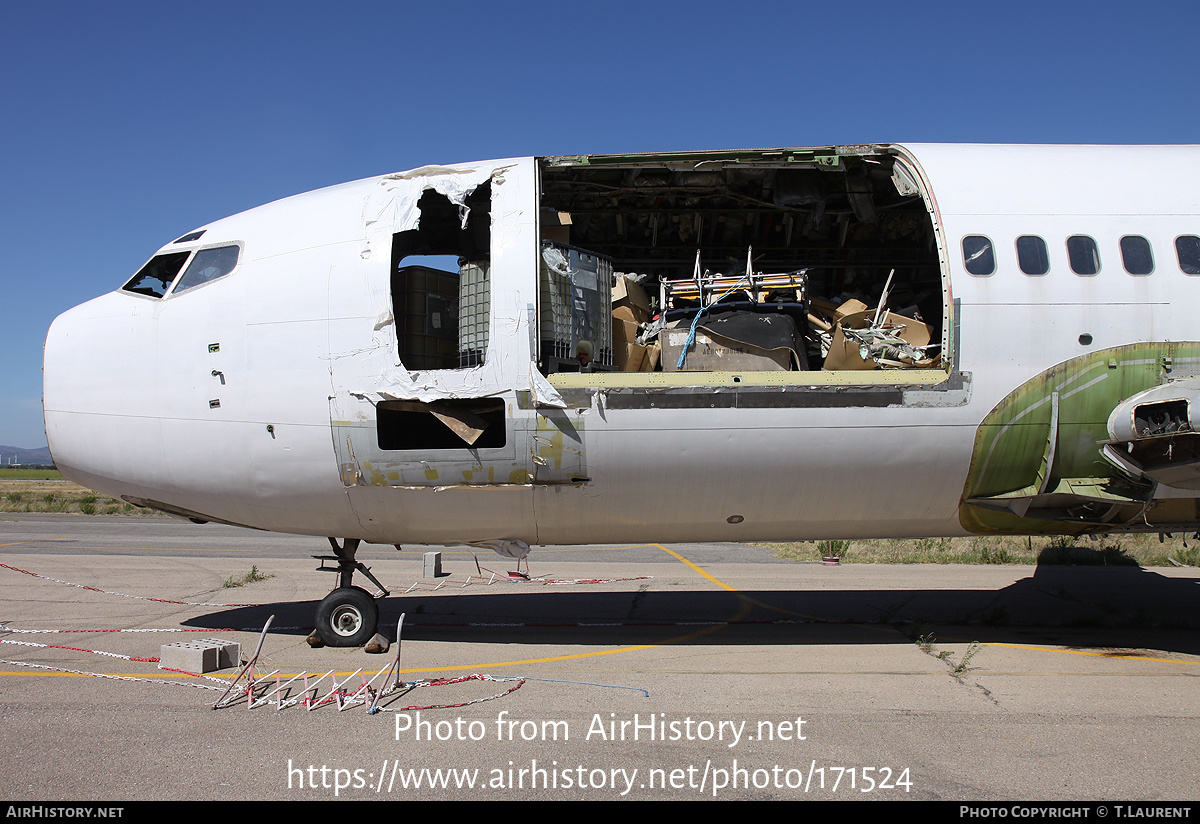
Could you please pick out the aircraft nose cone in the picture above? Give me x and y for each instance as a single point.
(96, 390)
(60, 355)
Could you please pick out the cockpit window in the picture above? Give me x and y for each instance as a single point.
(190, 236)
(208, 264)
(154, 278)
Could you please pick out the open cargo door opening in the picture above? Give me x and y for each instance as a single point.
(782, 260)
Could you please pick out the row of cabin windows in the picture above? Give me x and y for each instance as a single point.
(1082, 253)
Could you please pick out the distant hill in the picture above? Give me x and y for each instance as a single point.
(18, 456)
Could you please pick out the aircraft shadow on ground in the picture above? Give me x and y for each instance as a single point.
(1119, 607)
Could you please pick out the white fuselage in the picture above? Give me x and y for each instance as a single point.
(252, 399)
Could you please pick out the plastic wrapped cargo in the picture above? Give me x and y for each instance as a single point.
(575, 290)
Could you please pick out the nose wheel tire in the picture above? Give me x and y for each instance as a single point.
(347, 617)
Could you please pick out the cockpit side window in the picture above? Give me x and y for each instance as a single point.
(155, 277)
(208, 264)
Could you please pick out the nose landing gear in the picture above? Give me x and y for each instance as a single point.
(348, 616)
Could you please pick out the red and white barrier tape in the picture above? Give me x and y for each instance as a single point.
(108, 675)
(258, 691)
(7, 628)
(439, 682)
(76, 649)
(123, 594)
(517, 578)
(113, 677)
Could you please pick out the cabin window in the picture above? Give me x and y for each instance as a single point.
(1136, 256)
(792, 260)
(155, 277)
(977, 255)
(441, 283)
(1083, 254)
(1032, 256)
(208, 264)
(1187, 248)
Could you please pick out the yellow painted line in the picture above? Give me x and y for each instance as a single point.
(576, 656)
(742, 611)
(82, 674)
(746, 598)
(545, 550)
(579, 655)
(454, 667)
(697, 569)
(1095, 654)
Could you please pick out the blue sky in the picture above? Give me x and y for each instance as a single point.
(125, 124)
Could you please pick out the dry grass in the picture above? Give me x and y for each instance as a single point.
(46, 491)
(1110, 550)
(250, 577)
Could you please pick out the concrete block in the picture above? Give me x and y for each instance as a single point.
(433, 565)
(204, 655)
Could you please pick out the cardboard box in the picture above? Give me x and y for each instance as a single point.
(629, 357)
(711, 352)
(844, 352)
(556, 226)
(850, 307)
(628, 294)
(650, 361)
(628, 314)
(627, 353)
(624, 331)
(826, 309)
